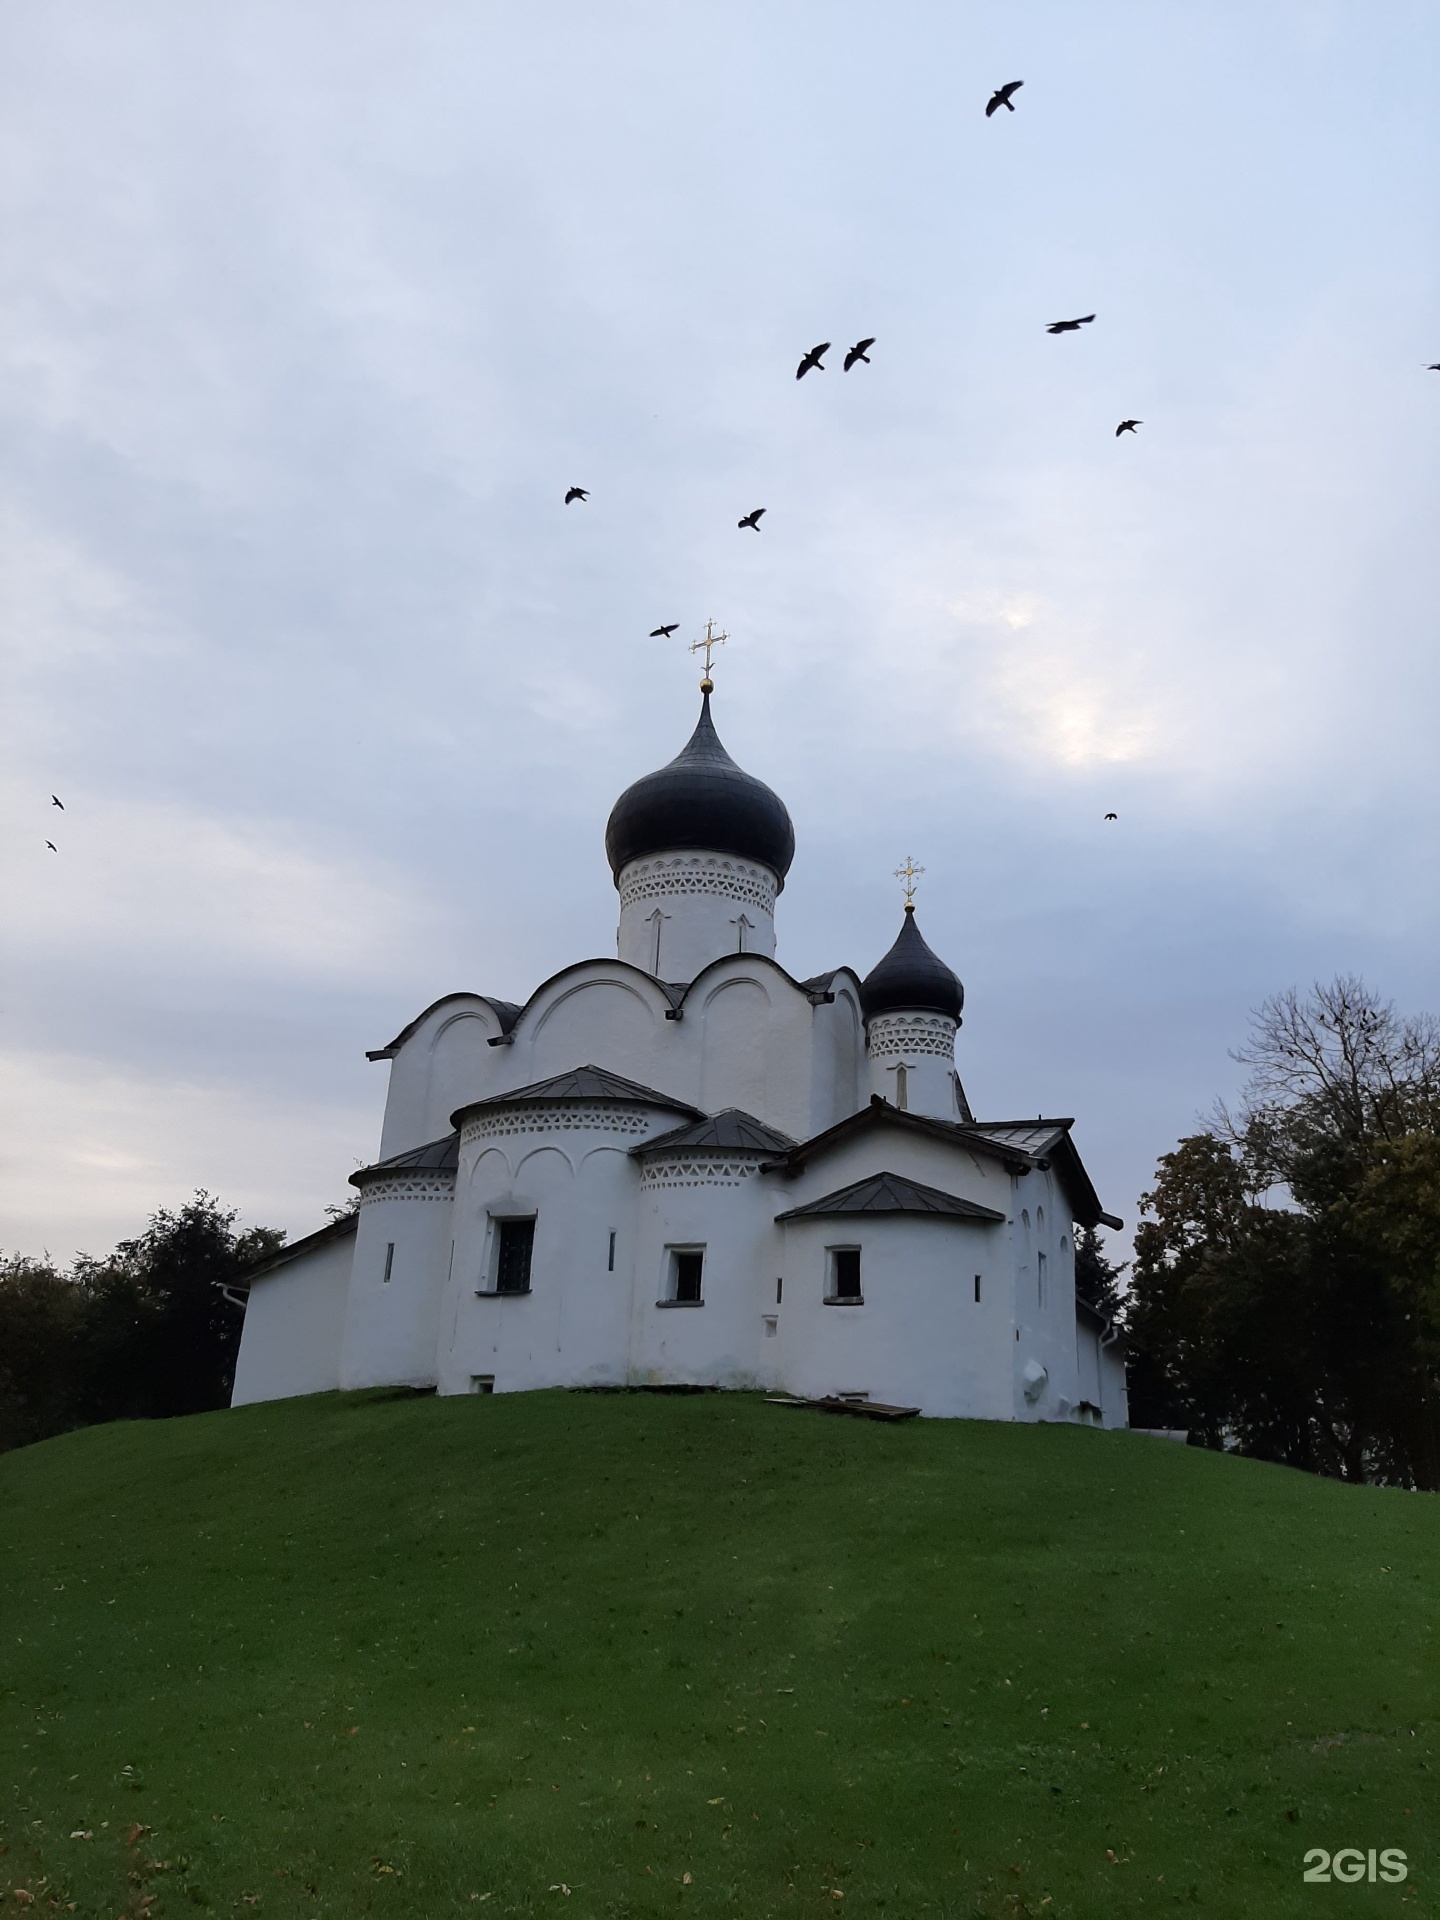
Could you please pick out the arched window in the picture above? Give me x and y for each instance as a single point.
(1025, 1218)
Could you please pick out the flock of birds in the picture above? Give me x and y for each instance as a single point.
(814, 362)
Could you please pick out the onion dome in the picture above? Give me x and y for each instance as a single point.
(702, 800)
(911, 979)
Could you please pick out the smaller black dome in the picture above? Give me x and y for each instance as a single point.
(702, 800)
(911, 979)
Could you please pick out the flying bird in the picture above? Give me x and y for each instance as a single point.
(1127, 426)
(857, 352)
(752, 520)
(52, 846)
(56, 801)
(1112, 816)
(1003, 97)
(576, 493)
(664, 633)
(813, 359)
(1434, 367)
(1070, 326)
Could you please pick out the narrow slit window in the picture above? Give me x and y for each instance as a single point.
(977, 1289)
(389, 1262)
(902, 1089)
(689, 1270)
(1042, 1279)
(779, 1288)
(845, 1273)
(512, 1261)
(610, 1257)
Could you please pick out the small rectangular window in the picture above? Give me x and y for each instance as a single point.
(977, 1289)
(779, 1288)
(610, 1258)
(845, 1273)
(482, 1383)
(1042, 1285)
(689, 1269)
(512, 1261)
(389, 1261)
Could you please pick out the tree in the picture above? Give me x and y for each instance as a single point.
(1285, 1297)
(1097, 1278)
(144, 1333)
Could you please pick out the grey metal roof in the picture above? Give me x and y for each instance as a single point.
(730, 1131)
(437, 1156)
(893, 1193)
(581, 1083)
(1030, 1136)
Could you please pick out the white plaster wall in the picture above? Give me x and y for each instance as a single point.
(441, 1066)
(1042, 1224)
(294, 1318)
(570, 1166)
(969, 1174)
(724, 1204)
(701, 899)
(392, 1328)
(1114, 1394)
(920, 1339)
(838, 1070)
(924, 1044)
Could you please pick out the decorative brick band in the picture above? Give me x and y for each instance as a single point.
(902, 1033)
(708, 1170)
(409, 1186)
(552, 1116)
(720, 875)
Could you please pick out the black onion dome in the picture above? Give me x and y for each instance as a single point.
(911, 979)
(701, 800)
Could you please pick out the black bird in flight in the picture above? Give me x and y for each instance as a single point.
(1070, 326)
(1434, 367)
(52, 846)
(576, 493)
(1127, 426)
(858, 352)
(664, 633)
(813, 359)
(752, 520)
(1003, 97)
(56, 801)
(1112, 816)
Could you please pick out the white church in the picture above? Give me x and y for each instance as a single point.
(683, 1166)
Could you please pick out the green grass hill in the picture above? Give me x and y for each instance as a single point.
(633, 1654)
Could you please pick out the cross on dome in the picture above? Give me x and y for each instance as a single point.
(909, 873)
(709, 643)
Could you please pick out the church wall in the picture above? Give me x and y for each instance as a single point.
(681, 910)
(920, 1338)
(722, 1204)
(392, 1324)
(1114, 1395)
(1042, 1226)
(936, 1163)
(568, 1165)
(294, 1319)
(443, 1064)
(837, 1062)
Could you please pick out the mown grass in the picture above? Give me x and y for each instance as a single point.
(368, 1654)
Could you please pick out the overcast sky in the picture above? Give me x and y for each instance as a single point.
(312, 313)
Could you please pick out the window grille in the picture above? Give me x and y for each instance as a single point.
(512, 1262)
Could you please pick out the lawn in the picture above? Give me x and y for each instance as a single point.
(634, 1654)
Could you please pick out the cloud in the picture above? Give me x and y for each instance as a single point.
(88, 1152)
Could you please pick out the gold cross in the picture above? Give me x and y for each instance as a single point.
(909, 874)
(709, 643)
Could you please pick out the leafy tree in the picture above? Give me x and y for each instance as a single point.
(1097, 1278)
(1285, 1297)
(144, 1333)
